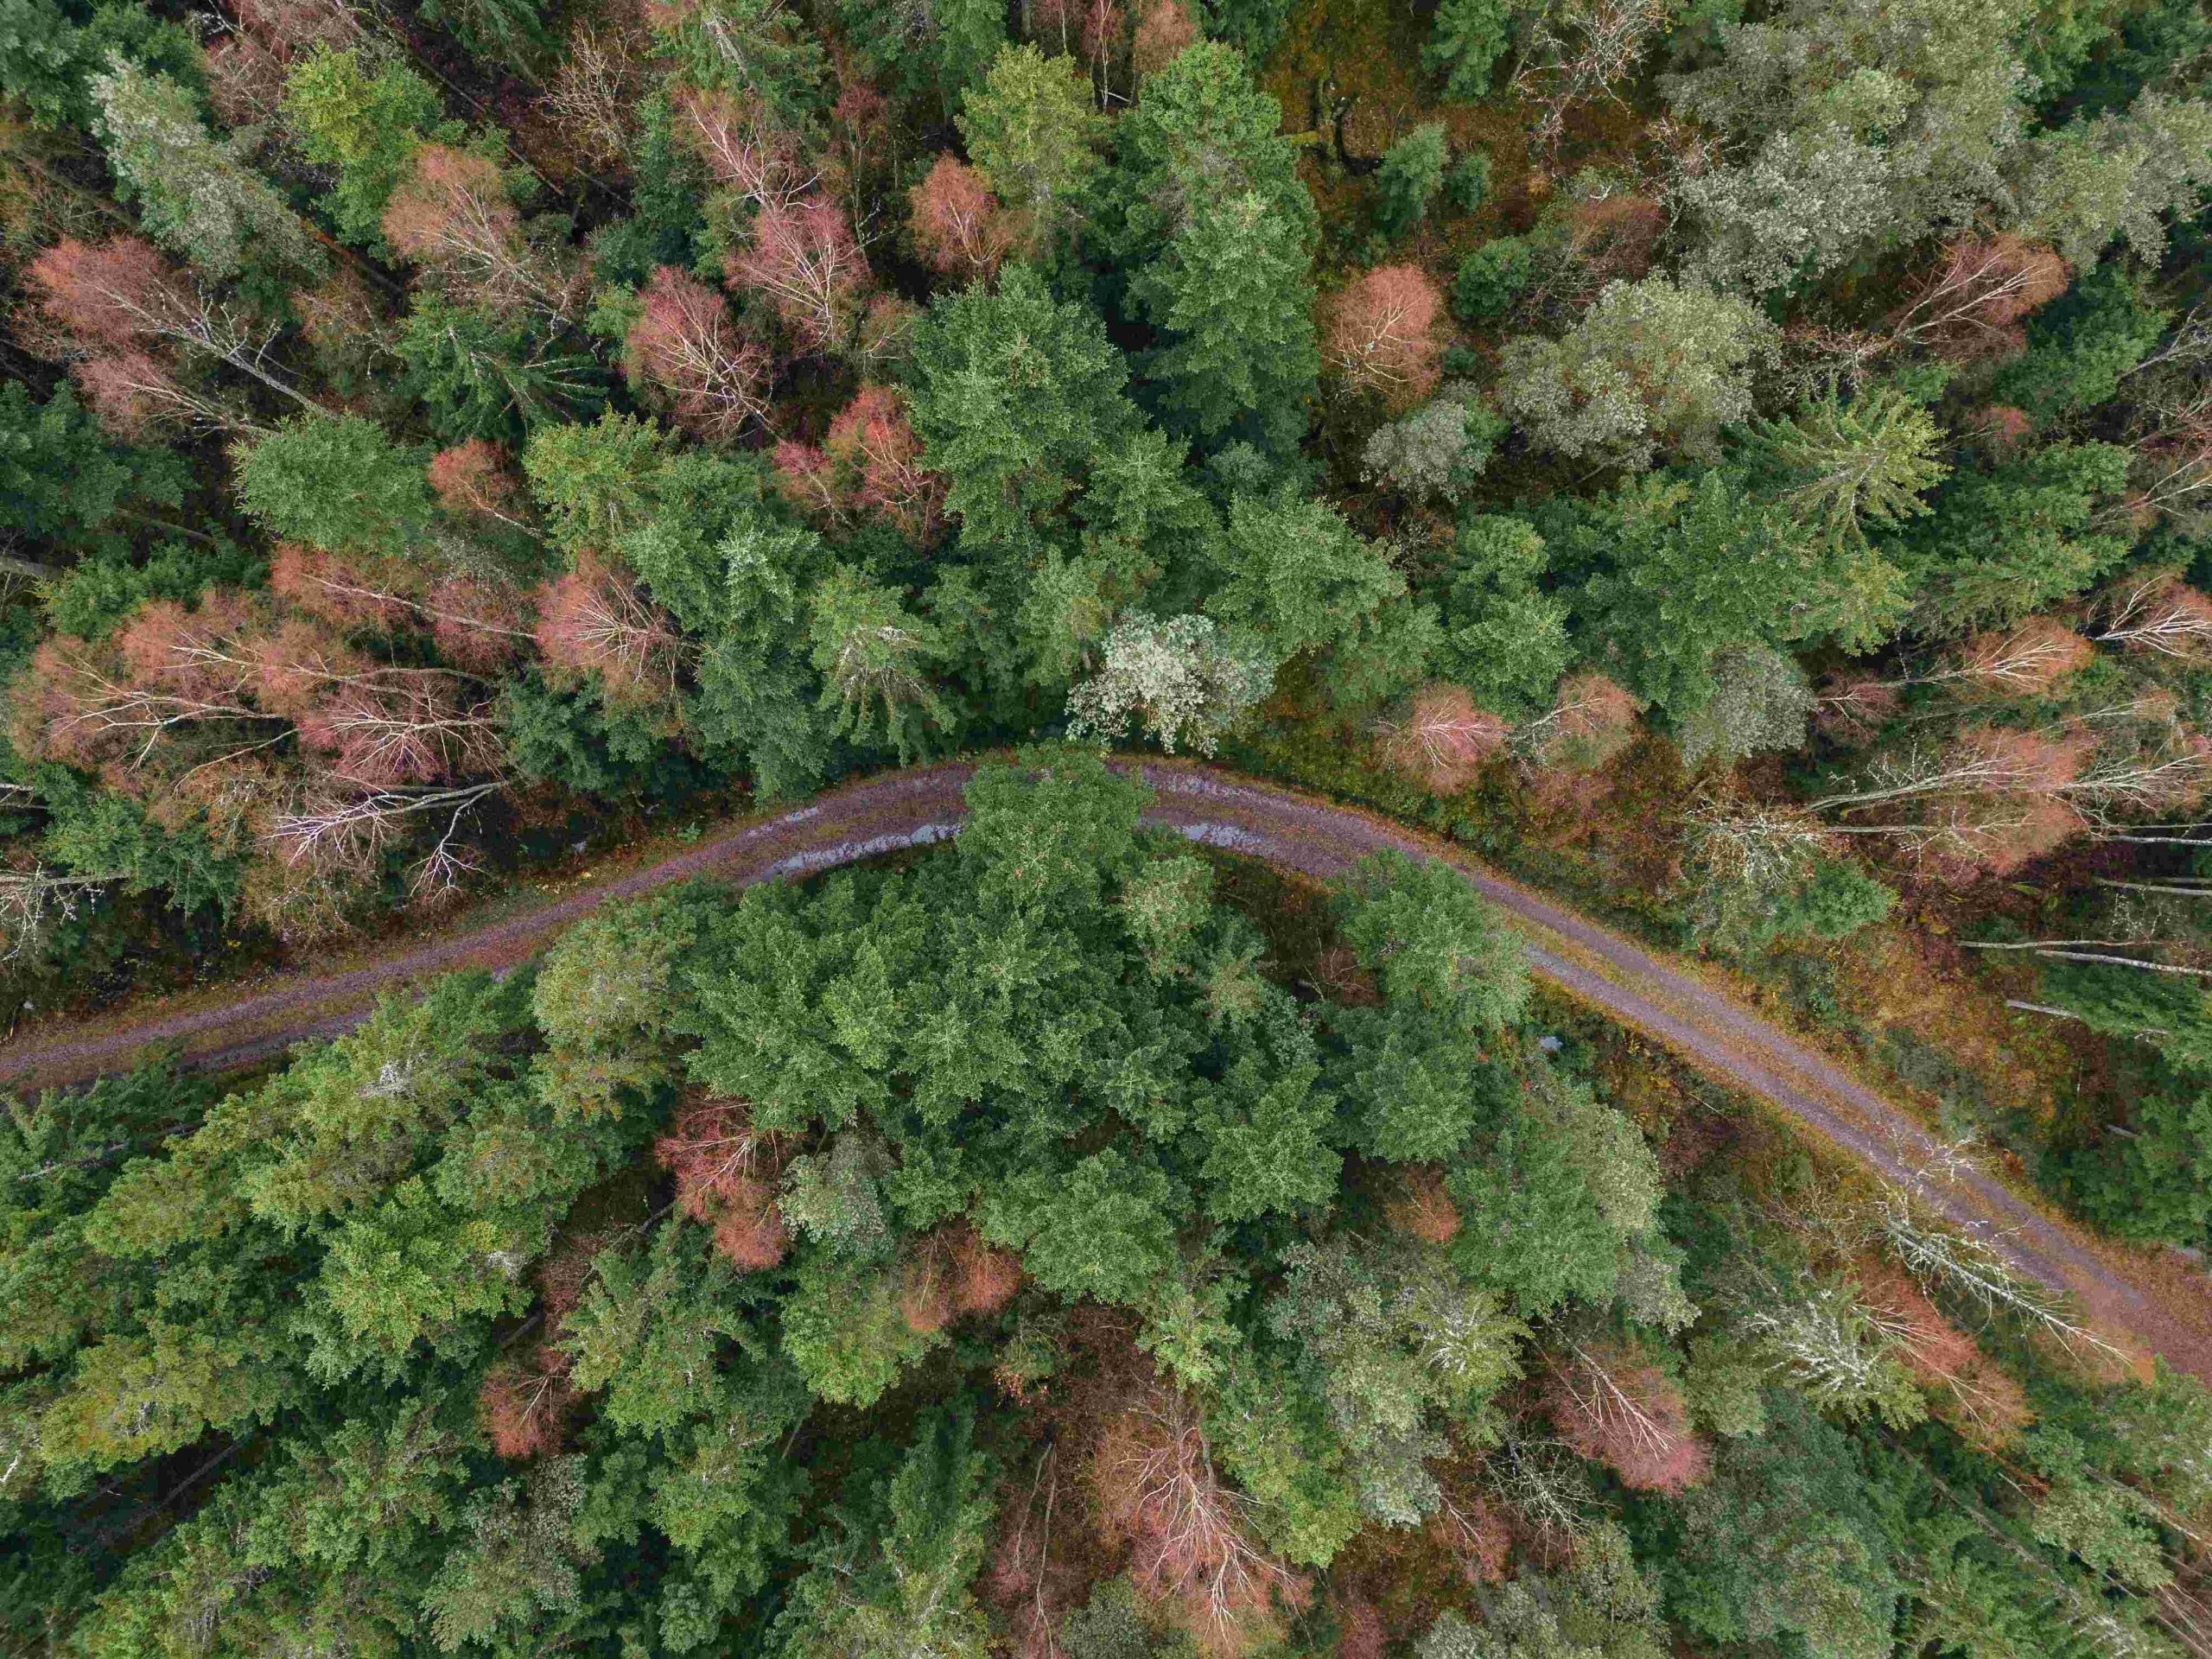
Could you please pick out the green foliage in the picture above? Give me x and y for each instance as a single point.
(1504, 638)
(1467, 39)
(196, 196)
(1202, 133)
(1679, 570)
(1439, 450)
(1032, 131)
(1466, 185)
(1649, 366)
(2003, 544)
(1761, 701)
(60, 481)
(1232, 299)
(2081, 347)
(1407, 181)
(1013, 394)
(476, 374)
(339, 484)
(367, 124)
(1848, 467)
(50, 50)
(1491, 277)
(894, 1582)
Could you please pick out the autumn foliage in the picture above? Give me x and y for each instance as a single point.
(1382, 334)
(725, 1181)
(1616, 1409)
(959, 228)
(1191, 1544)
(685, 345)
(1972, 303)
(596, 622)
(1442, 741)
(803, 259)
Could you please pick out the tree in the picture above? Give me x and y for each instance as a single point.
(2114, 175)
(1761, 701)
(1467, 38)
(1379, 335)
(958, 227)
(341, 485)
(481, 375)
(367, 123)
(1616, 1409)
(451, 215)
(1437, 451)
(1032, 133)
(1649, 366)
(803, 259)
(1201, 135)
(873, 656)
(1869, 462)
(684, 346)
(196, 196)
(1406, 183)
(1295, 573)
(1687, 569)
(895, 1583)
(1013, 395)
(1491, 277)
(1188, 683)
(1504, 639)
(1233, 304)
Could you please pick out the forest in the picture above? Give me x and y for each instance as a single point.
(1004, 1254)
(1743, 466)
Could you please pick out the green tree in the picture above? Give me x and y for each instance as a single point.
(1232, 299)
(1295, 572)
(1407, 183)
(196, 196)
(1491, 276)
(1649, 366)
(1202, 134)
(476, 374)
(1013, 394)
(894, 1580)
(1504, 638)
(1032, 132)
(341, 485)
(875, 656)
(1850, 466)
(367, 123)
(1467, 38)
(1761, 701)
(2002, 544)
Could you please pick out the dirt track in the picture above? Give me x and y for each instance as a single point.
(2157, 1299)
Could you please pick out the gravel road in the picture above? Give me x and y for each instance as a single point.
(2154, 1300)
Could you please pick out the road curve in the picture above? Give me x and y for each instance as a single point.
(2158, 1301)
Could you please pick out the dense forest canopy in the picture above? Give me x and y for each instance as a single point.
(1743, 462)
(1002, 1254)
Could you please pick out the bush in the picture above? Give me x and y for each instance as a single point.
(1491, 279)
(1466, 187)
(1406, 183)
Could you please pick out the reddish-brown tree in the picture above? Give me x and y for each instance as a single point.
(475, 479)
(1380, 334)
(452, 215)
(1421, 1207)
(805, 479)
(872, 445)
(1162, 33)
(745, 148)
(1442, 741)
(1592, 720)
(1190, 1538)
(804, 260)
(1617, 1410)
(596, 621)
(522, 1407)
(959, 227)
(1972, 305)
(725, 1179)
(685, 345)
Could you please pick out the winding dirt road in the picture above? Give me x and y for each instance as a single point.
(2153, 1300)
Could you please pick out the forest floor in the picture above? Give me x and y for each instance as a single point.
(2151, 1300)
